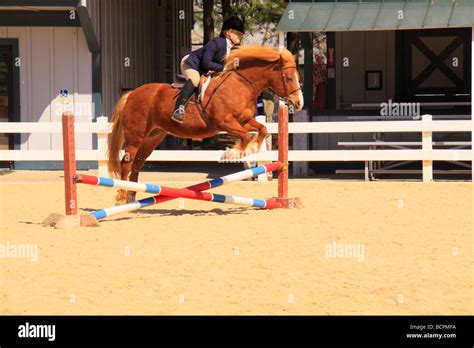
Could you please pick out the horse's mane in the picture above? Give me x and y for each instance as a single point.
(252, 53)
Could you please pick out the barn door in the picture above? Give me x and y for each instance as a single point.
(5, 92)
(436, 65)
(9, 93)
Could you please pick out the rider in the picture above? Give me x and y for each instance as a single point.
(210, 57)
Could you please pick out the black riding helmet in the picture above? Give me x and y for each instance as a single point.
(234, 23)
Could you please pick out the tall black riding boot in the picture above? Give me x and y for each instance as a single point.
(184, 95)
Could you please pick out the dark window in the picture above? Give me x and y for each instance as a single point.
(373, 80)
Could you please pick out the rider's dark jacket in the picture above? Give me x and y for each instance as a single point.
(209, 57)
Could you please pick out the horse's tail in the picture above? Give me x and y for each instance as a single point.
(116, 138)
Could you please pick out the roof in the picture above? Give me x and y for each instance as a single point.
(347, 15)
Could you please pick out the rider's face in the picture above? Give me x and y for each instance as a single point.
(235, 36)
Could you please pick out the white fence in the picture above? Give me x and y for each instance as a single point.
(426, 126)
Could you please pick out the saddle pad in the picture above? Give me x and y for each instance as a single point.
(204, 87)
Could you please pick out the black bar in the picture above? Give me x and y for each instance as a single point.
(288, 330)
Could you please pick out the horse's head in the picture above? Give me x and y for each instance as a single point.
(268, 67)
(285, 82)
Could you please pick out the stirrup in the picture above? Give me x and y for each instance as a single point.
(178, 116)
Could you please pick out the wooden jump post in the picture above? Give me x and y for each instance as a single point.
(283, 140)
(162, 193)
(72, 218)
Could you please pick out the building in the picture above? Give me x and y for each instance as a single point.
(82, 55)
(414, 56)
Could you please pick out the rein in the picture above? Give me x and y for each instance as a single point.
(214, 91)
(285, 99)
(222, 81)
(245, 78)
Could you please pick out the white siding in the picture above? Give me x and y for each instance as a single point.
(52, 59)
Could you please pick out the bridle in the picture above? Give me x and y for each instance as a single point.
(285, 99)
(252, 85)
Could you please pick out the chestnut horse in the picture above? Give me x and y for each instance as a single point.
(142, 117)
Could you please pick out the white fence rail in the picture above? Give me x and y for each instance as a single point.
(426, 126)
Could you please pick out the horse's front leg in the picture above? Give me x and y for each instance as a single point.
(229, 124)
(253, 125)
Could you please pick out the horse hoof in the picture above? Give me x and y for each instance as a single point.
(252, 148)
(131, 197)
(234, 154)
(120, 202)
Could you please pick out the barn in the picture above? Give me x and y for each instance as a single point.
(80, 56)
(385, 60)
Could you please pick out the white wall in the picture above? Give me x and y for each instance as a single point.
(52, 59)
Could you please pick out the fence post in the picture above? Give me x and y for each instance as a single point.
(427, 147)
(283, 151)
(102, 148)
(72, 218)
(69, 163)
(283, 140)
(263, 148)
(300, 142)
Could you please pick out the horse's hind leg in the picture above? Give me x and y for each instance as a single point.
(126, 165)
(145, 150)
(134, 138)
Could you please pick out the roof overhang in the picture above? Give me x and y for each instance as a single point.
(49, 13)
(366, 15)
(40, 4)
(36, 8)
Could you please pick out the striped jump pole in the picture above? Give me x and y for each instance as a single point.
(164, 194)
(72, 218)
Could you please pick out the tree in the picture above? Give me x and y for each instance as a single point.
(258, 15)
(293, 44)
(226, 9)
(208, 20)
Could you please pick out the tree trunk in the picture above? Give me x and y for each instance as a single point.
(293, 44)
(208, 19)
(226, 9)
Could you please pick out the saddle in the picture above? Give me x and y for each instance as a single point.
(203, 83)
(179, 81)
